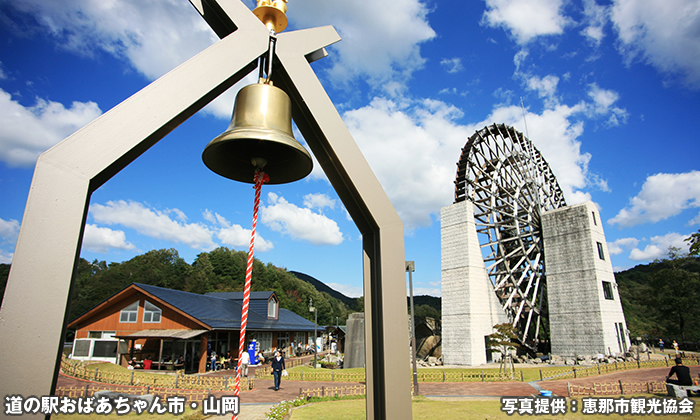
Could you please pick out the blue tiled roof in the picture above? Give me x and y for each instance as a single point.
(224, 312)
(258, 300)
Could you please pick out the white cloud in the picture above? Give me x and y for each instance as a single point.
(526, 19)
(662, 196)
(9, 229)
(452, 65)
(153, 223)
(300, 223)
(619, 246)
(429, 291)
(347, 290)
(409, 147)
(147, 35)
(235, 235)
(5, 257)
(103, 240)
(318, 201)
(27, 132)
(546, 88)
(595, 19)
(662, 33)
(604, 105)
(695, 220)
(659, 247)
(422, 138)
(380, 41)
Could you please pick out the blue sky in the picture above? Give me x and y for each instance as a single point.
(611, 91)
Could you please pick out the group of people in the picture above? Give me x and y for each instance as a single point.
(661, 345)
(277, 363)
(223, 362)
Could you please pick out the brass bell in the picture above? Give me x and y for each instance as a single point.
(273, 14)
(259, 136)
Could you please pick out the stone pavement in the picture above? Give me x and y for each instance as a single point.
(255, 403)
(248, 412)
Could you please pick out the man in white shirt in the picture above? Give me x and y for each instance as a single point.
(245, 361)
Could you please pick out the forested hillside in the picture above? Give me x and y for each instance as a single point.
(221, 270)
(661, 299)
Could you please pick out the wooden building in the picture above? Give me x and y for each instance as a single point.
(149, 322)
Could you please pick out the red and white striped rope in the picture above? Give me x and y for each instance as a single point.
(260, 178)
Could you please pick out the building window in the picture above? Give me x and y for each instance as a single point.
(130, 313)
(81, 348)
(265, 340)
(600, 251)
(101, 334)
(608, 290)
(105, 348)
(594, 220)
(300, 338)
(282, 340)
(272, 308)
(151, 313)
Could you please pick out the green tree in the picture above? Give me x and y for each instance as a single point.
(426, 311)
(360, 304)
(504, 340)
(672, 293)
(4, 273)
(694, 241)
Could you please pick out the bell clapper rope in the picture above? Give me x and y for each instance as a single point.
(260, 178)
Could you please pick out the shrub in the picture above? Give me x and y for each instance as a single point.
(279, 411)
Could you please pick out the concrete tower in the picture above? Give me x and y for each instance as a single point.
(585, 313)
(470, 308)
(513, 251)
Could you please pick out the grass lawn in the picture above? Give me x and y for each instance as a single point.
(427, 409)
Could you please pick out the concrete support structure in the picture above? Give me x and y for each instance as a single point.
(355, 341)
(470, 308)
(585, 313)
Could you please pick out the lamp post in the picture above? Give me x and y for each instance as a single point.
(312, 309)
(411, 267)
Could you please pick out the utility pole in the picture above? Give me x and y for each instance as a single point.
(312, 309)
(411, 267)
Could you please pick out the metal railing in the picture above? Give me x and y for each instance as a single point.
(603, 368)
(617, 388)
(179, 381)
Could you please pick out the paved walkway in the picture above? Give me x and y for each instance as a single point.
(255, 403)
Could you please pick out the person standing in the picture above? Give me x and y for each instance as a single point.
(661, 344)
(277, 368)
(675, 346)
(245, 361)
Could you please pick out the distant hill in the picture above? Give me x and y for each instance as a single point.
(421, 302)
(660, 299)
(322, 287)
(432, 301)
